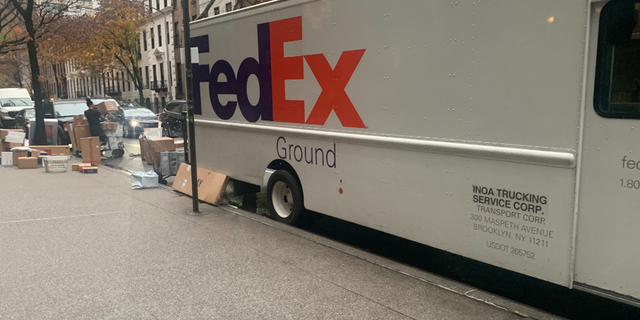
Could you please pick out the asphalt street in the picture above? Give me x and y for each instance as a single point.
(131, 160)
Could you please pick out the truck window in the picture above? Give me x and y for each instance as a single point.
(617, 87)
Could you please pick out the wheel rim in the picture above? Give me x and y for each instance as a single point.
(282, 199)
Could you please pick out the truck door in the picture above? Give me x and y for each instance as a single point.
(608, 220)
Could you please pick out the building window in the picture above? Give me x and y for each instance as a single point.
(227, 7)
(617, 85)
(169, 71)
(150, 7)
(159, 35)
(153, 43)
(146, 72)
(176, 35)
(165, 3)
(157, 4)
(193, 18)
(144, 39)
(167, 31)
(216, 11)
(162, 72)
(155, 78)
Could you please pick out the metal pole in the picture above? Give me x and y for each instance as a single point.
(168, 62)
(191, 142)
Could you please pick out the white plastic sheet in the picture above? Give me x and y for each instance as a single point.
(142, 180)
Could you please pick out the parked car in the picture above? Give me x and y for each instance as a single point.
(12, 100)
(173, 120)
(21, 120)
(135, 120)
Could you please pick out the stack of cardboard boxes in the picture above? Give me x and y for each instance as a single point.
(165, 154)
(11, 138)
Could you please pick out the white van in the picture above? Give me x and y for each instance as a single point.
(12, 100)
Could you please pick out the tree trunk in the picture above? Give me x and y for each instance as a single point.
(40, 135)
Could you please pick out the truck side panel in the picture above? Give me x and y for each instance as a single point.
(470, 113)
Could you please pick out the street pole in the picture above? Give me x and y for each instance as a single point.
(168, 62)
(191, 141)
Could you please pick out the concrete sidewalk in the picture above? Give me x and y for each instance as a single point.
(76, 246)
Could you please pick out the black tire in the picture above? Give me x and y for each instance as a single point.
(284, 197)
(117, 153)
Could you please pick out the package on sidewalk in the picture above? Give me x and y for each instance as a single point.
(91, 150)
(7, 158)
(81, 166)
(77, 132)
(143, 146)
(20, 152)
(90, 170)
(211, 185)
(54, 150)
(5, 132)
(107, 107)
(170, 162)
(7, 146)
(156, 146)
(27, 163)
(143, 180)
(14, 137)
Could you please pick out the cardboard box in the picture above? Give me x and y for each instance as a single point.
(89, 169)
(143, 146)
(162, 144)
(109, 126)
(211, 185)
(79, 131)
(6, 146)
(80, 119)
(170, 162)
(156, 146)
(7, 158)
(5, 132)
(91, 150)
(81, 166)
(74, 166)
(20, 153)
(14, 137)
(107, 107)
(179, 144)
(27, 163)
(54, 150)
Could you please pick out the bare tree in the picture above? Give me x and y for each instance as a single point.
(35, 19)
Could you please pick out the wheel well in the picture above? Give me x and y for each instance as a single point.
(283, 165)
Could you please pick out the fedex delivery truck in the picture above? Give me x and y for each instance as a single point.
(503, 131)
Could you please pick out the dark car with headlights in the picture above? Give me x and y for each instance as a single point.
(135, 120)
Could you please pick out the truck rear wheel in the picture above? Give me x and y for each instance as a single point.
(284, 197)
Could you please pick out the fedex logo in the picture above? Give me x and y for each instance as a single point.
(272, 69)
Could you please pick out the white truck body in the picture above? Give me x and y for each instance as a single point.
(464, 125)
